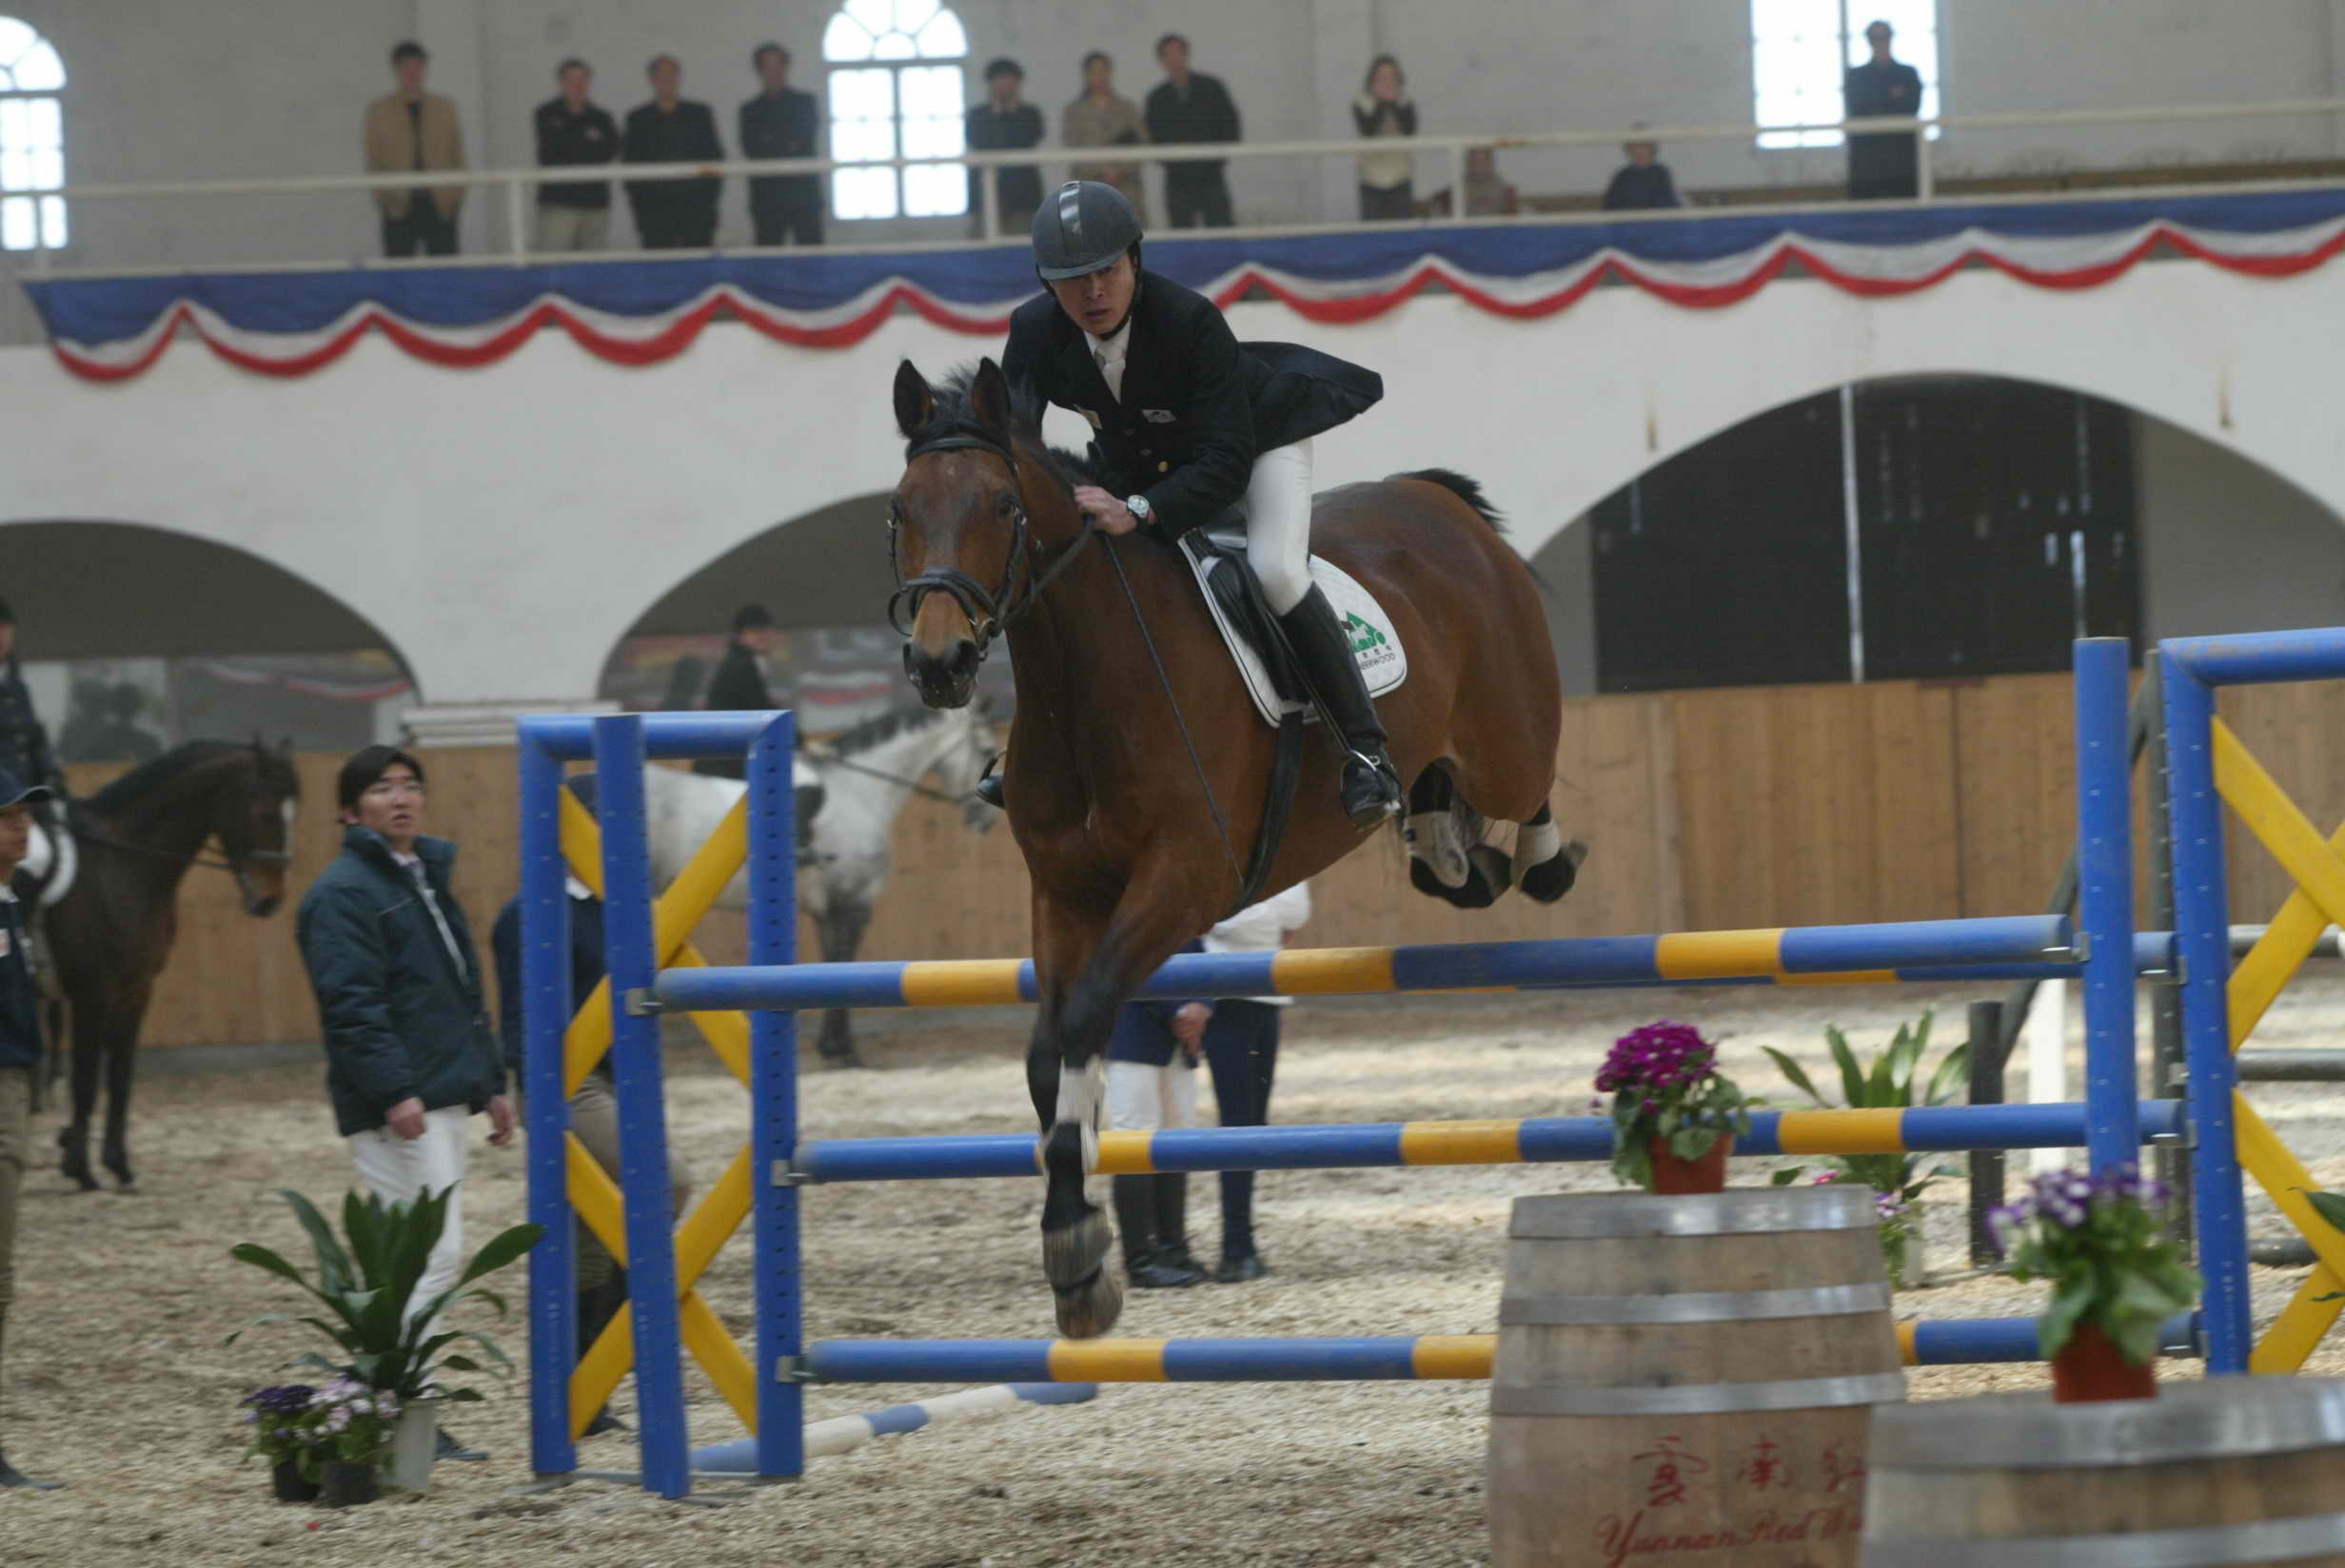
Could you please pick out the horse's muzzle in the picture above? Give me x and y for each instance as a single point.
(944, 680)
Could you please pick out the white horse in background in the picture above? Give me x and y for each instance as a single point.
(853, 787)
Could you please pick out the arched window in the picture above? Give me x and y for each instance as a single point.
(1801, 49)
(896, 82)
(31, 139)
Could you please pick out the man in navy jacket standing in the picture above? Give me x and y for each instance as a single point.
(20, 1047)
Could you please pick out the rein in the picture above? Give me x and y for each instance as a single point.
(264, 857)
(820, 759)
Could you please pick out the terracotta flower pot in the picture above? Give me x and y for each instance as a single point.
(2090, 1366)
(1706, 1175)
(290, 1485)
(347, 1485)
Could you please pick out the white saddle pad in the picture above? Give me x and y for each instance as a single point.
(1375, 646)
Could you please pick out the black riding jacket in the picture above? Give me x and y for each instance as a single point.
(23, 744)
(1197, 405)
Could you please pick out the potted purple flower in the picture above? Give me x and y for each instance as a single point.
(2115, 1276)
(1674, 1115)
(281, 1434)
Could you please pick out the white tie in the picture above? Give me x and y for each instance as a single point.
(1110, 353)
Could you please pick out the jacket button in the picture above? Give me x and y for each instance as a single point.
(1164, 468)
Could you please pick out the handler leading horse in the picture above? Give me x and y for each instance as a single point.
(1115, 656)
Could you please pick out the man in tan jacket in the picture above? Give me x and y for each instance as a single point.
(412, 130)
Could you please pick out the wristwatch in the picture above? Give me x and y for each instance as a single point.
(1138, 507)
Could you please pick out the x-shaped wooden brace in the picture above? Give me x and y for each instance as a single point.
(594, 1196)
(2318, 869)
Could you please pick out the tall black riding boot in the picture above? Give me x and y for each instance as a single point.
(1135, 1217)
(1173, 1222)
(1372, 786)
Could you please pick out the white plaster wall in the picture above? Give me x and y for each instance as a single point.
(162, 90)
(505, 526)
(2227, 546)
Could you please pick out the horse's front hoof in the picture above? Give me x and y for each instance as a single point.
(1072, 1254)
(1090, 1309)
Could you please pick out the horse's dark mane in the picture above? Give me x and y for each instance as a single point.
(1466, 489)
(165, 771)
(953, 416)
(880, 729)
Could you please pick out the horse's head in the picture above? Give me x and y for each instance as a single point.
(253, 821)
(957, 527)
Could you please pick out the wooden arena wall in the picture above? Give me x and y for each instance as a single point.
(1705, 810)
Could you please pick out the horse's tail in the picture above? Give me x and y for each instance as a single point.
(1466, 489)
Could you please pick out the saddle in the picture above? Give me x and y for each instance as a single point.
(1216, 553)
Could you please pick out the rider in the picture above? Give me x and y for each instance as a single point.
(24, 743)
(1189, 423)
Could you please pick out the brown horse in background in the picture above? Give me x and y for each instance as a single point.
(110, 936)
(1118, 665)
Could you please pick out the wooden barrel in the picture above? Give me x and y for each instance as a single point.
(2229, 1470)
(1688, 1380)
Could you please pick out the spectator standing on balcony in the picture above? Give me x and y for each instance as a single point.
(1004, 123)
(781, 122)
(1884, 166)
(574, 215)
(1099, 118)
(673, 214)
(1644, 184)
(408, 129)
(1387, 191)
(1189, 107)
(739, 684)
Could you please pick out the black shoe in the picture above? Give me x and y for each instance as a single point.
(1157, 1271)
(1172, 1197)
(603, 1421)
(1372, 787)
(988, 786)
(451, 1449)
(12, 1478)
(1238, 1270)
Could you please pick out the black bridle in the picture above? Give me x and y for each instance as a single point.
(1024, 576)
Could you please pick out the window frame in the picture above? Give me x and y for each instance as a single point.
(949, 195)
(51, 225)
(1850, 33)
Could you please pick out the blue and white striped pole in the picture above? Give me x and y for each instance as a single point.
(824, 1439)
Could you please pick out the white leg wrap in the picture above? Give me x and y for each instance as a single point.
(1079, 1097)
(1434, 838)
(1537, 844)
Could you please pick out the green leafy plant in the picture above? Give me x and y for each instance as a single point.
(1665, 1083)
(367, 1288)
(2099, 1241)
(1887, 1084)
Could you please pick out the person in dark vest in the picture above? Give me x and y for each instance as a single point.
(1189, 422)
(1884, 166)
(673, 214)
(411, 1056)
(20, 1050)
(594, 1110)
(739, 685)
(1004, 123)
(781, 122)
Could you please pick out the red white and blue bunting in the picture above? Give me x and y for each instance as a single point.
(640, 312)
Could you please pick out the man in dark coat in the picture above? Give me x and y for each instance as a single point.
(24, 742)
(781, 122)
(1644, 182)
(20, 1050)
(738, 686)
(673, 214)
(410, 1054)
(1004, 123)
(1883, 167)
(1190, 422)
(1189, 107)
(574, 132)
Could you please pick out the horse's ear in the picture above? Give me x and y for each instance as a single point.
(915, 403)
(989, 398)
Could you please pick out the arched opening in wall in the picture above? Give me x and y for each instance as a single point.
(1933, 527)
(135, 639)
(825, 580)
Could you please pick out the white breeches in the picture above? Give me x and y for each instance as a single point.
(1143, 1099)
(1278, 524)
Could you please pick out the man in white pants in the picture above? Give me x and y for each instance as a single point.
(410, 1052)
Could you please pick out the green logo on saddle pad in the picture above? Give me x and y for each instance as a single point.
(1365, 638)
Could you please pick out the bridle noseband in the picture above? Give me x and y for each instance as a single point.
(1023, 575)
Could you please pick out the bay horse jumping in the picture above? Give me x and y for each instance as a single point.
(110, 936)
(1122, 678)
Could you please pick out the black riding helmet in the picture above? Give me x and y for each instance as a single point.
(1081, 228)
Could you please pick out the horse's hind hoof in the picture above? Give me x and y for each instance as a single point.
(1553, 877)
(1072, 1254)
(1090, 1309)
